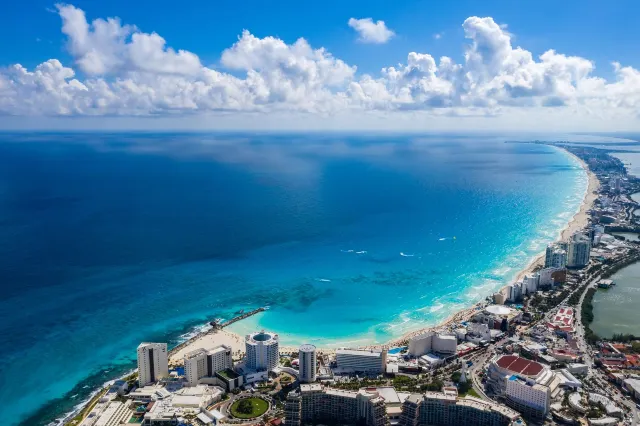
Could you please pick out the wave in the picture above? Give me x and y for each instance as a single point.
(406, 255)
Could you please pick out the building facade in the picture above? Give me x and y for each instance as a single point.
(432, 342)
(446, 409)
(262, 351)
(525, 385)
(313, 404)
(153, 362)
(578, 251)
(361, 361)
(201, 363)
(556, 256)
(307, 363)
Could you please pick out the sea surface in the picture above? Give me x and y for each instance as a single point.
(615, 310)
(107, 240)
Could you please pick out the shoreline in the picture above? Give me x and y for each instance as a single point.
(578, 221)
(208, 337)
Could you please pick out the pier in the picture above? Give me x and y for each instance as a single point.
(218, 325)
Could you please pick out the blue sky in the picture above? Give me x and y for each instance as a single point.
(593, 30)
(590, 28)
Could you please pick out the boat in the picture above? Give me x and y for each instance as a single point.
(240, 312)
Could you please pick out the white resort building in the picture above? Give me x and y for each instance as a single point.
(527, 386)
(361, 361)
(153, 363)
(202, 363)
(307, 363)
(262, 351)
(432, 342)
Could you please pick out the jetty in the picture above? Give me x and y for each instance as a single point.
(219, 325)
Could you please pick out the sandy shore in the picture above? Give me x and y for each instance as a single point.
(212, 339)
(236, 342)
(578, 222)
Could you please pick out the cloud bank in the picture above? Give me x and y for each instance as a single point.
(129, 73)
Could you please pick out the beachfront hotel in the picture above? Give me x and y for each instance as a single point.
(262, 351)
(361, 361)
(307, 363)
(556, 255)
(153, 363)
(579, 250)
(431, 342)
(202, 363)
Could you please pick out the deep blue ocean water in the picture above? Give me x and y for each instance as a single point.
(109, 240)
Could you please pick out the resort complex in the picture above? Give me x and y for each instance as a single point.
(524, 355)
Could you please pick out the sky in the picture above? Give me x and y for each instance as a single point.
(372, 65)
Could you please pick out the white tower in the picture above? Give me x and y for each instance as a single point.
(262, 351)
(307, 359)
(153, 363)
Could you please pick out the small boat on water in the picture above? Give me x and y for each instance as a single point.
(240, 312)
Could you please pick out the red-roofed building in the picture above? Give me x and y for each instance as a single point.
(526, 385)
(562, 320)
(516, 365)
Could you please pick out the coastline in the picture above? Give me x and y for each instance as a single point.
(578, 221)
(208, 338)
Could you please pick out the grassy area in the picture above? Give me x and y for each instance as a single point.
(258, 407)
(229, 374)
(471, 392)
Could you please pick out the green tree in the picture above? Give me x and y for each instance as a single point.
(245, 406)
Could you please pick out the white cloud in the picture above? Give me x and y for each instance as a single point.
(371, 32)
(107, 46)
(130, 73)
(438, 36)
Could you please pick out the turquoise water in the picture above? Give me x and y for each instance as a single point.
(109, 240)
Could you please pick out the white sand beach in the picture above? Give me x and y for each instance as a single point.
(236, 342)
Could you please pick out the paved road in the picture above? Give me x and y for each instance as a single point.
(588, 359)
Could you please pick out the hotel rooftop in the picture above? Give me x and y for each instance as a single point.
(519, 365)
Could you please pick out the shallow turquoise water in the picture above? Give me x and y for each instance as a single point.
(108, 240)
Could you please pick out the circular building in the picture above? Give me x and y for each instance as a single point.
(262, 352)
(307, 357)
(498, 310)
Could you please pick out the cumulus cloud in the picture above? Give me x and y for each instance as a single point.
(107, 46)
(371, 32)
(128, 72)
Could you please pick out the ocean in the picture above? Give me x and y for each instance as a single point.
(107, 240)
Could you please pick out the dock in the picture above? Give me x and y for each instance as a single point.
(219, 325)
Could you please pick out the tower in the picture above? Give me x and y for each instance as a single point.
(307, 358)
(153, 363)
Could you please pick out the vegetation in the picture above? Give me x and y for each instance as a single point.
(249, 408)
(624, 338)
(470, 392)
(586, 316)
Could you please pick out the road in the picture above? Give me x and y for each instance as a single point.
(479, 362)
(611, 390)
